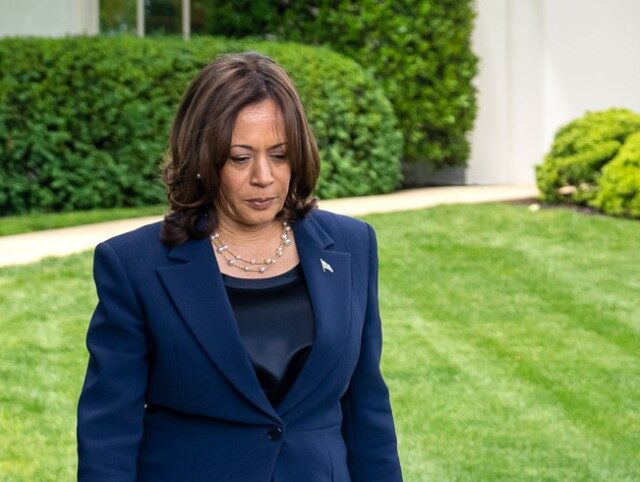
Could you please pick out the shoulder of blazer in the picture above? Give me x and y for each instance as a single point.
(142, 235)
(139, 246)
(349, 234)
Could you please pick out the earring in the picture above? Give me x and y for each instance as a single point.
(198, 176)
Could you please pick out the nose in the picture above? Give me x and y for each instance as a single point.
(261, 175)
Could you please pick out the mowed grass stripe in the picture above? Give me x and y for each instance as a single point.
(486, 422)
(497, 392)
(45, 310)
(499, 291)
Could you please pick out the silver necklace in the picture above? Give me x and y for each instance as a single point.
(252, 264)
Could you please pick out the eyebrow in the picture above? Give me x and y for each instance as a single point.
(251, 147)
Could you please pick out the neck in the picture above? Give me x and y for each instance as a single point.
(237, 234)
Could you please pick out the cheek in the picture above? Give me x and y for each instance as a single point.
(228, 194)
(284, 175)
(230, 182)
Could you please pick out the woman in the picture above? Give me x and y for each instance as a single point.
(239, 339)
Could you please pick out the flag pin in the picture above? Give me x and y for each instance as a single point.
(325, 266)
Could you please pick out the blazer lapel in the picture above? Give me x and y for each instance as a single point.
(197, 290)
(330, 292)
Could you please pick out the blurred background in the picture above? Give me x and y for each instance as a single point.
(541, 62)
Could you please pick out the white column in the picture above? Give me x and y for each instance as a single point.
(526, 92)
(93, 17)
(489, 160)
(186, 19)
(507, 139)
(140, 17)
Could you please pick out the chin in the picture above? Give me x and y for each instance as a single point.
(260, 217)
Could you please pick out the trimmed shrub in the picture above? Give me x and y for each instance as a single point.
(420, 50)
(619, 192)
(236, 18)
(579, 152)
(84, 121)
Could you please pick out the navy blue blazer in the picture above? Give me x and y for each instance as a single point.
(170, 393)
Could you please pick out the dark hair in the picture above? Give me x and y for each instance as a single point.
(200, 142)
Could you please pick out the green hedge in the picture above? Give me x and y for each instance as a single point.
(580, 151)
(84, 121)
(420, 50)
(619, 192)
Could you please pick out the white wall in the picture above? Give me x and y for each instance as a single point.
(593, 59)
(48, 18)
(543, 63)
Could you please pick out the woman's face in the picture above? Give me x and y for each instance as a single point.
(254, 181)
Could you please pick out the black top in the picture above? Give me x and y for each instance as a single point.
(276, 324)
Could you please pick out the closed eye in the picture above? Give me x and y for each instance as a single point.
(239, 159)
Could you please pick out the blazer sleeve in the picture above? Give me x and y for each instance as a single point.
(367, 425)
(111, 404)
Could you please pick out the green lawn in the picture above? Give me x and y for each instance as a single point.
(39, 221)
(512, 347)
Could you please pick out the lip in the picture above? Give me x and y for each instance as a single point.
(261, 202)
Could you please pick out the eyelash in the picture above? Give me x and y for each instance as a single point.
(241, 159)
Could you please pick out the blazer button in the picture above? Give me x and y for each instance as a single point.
(274, 433)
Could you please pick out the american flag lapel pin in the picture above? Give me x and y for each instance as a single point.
(325, 266)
